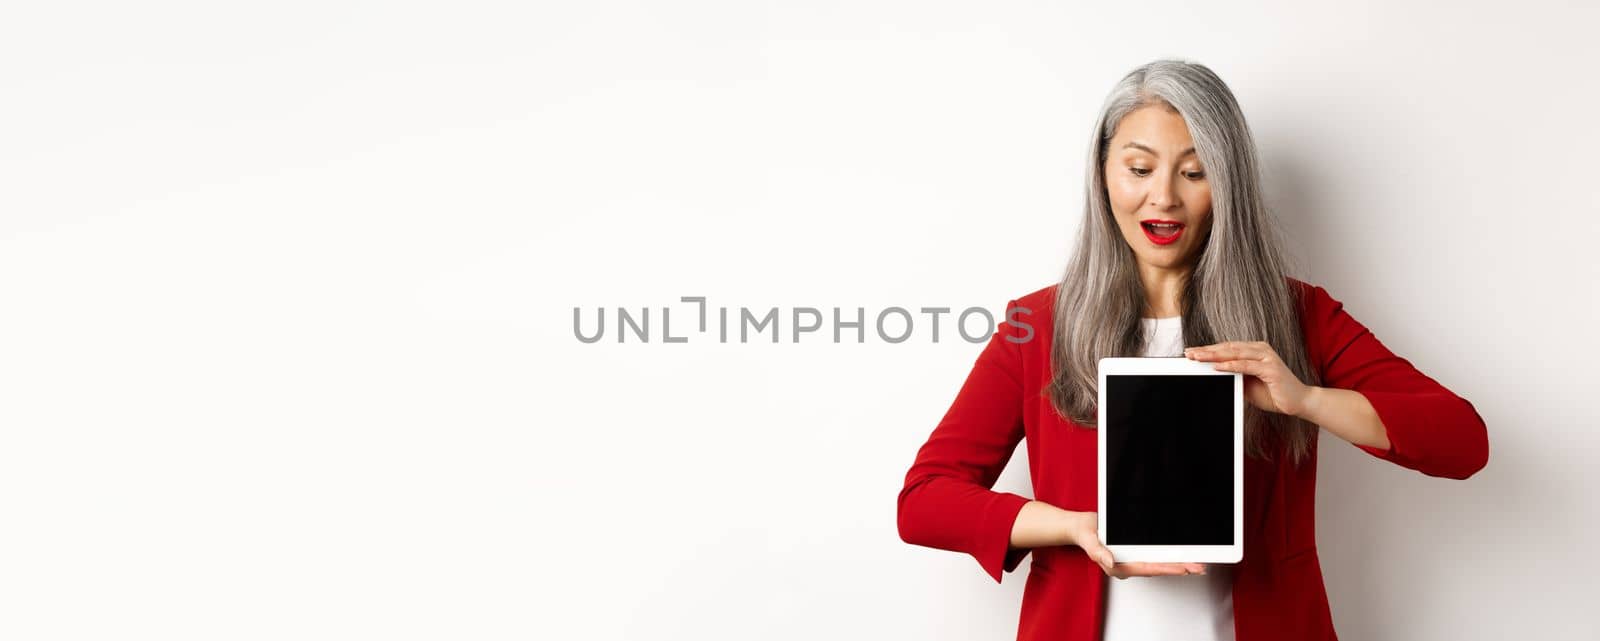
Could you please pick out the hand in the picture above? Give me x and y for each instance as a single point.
(1268, 383)
(1083, 531)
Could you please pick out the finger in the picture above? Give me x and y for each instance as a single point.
(1231, 350)
(1208, 352)
(1150, 569)
(1186, 568)
(1257, 369)
(1160, 569)
(1223, 351)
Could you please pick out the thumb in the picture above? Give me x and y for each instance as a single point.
(1100, 555)
(1087, 537)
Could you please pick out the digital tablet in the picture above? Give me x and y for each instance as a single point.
(1171, 461)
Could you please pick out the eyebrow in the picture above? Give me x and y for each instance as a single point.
(1136, 145)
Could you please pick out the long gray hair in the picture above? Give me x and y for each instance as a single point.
(1236, 291)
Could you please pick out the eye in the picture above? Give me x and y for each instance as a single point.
(1139, 171)
(1195, 175)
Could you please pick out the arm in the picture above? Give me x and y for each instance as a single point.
(946, 502)
(1348, 415)
(1424, 426)
(1041, 524)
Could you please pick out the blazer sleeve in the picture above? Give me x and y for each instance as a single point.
(1430, 428)
(946, 502)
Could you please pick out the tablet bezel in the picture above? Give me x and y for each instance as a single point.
(1174, 553)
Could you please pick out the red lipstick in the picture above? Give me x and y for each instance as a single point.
(1161, 232)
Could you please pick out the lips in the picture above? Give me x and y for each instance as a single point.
(1162, 232)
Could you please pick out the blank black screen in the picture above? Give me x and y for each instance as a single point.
(1169, 459)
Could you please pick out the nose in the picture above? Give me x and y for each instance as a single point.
(1162, 195)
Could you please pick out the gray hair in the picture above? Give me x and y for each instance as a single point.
(1237, 289)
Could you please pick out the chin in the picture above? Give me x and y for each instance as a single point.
(1166, 260)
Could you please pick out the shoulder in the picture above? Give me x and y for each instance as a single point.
(1316, 304)
(1036, 307)
(1041, 300)
(1326, 327)
(1304, 292)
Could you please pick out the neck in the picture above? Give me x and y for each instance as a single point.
(1163, 289)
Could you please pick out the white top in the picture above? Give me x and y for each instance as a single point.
(1199, 606)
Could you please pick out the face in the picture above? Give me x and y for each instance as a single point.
(1153, 176)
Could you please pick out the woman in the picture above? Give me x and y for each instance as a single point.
(1175, 249)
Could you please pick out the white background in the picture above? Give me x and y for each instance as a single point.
(286, 297)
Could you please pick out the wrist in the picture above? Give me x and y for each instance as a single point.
(1074, 525)
(1312, 407)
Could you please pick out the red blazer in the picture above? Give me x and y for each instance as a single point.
(947, 501)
